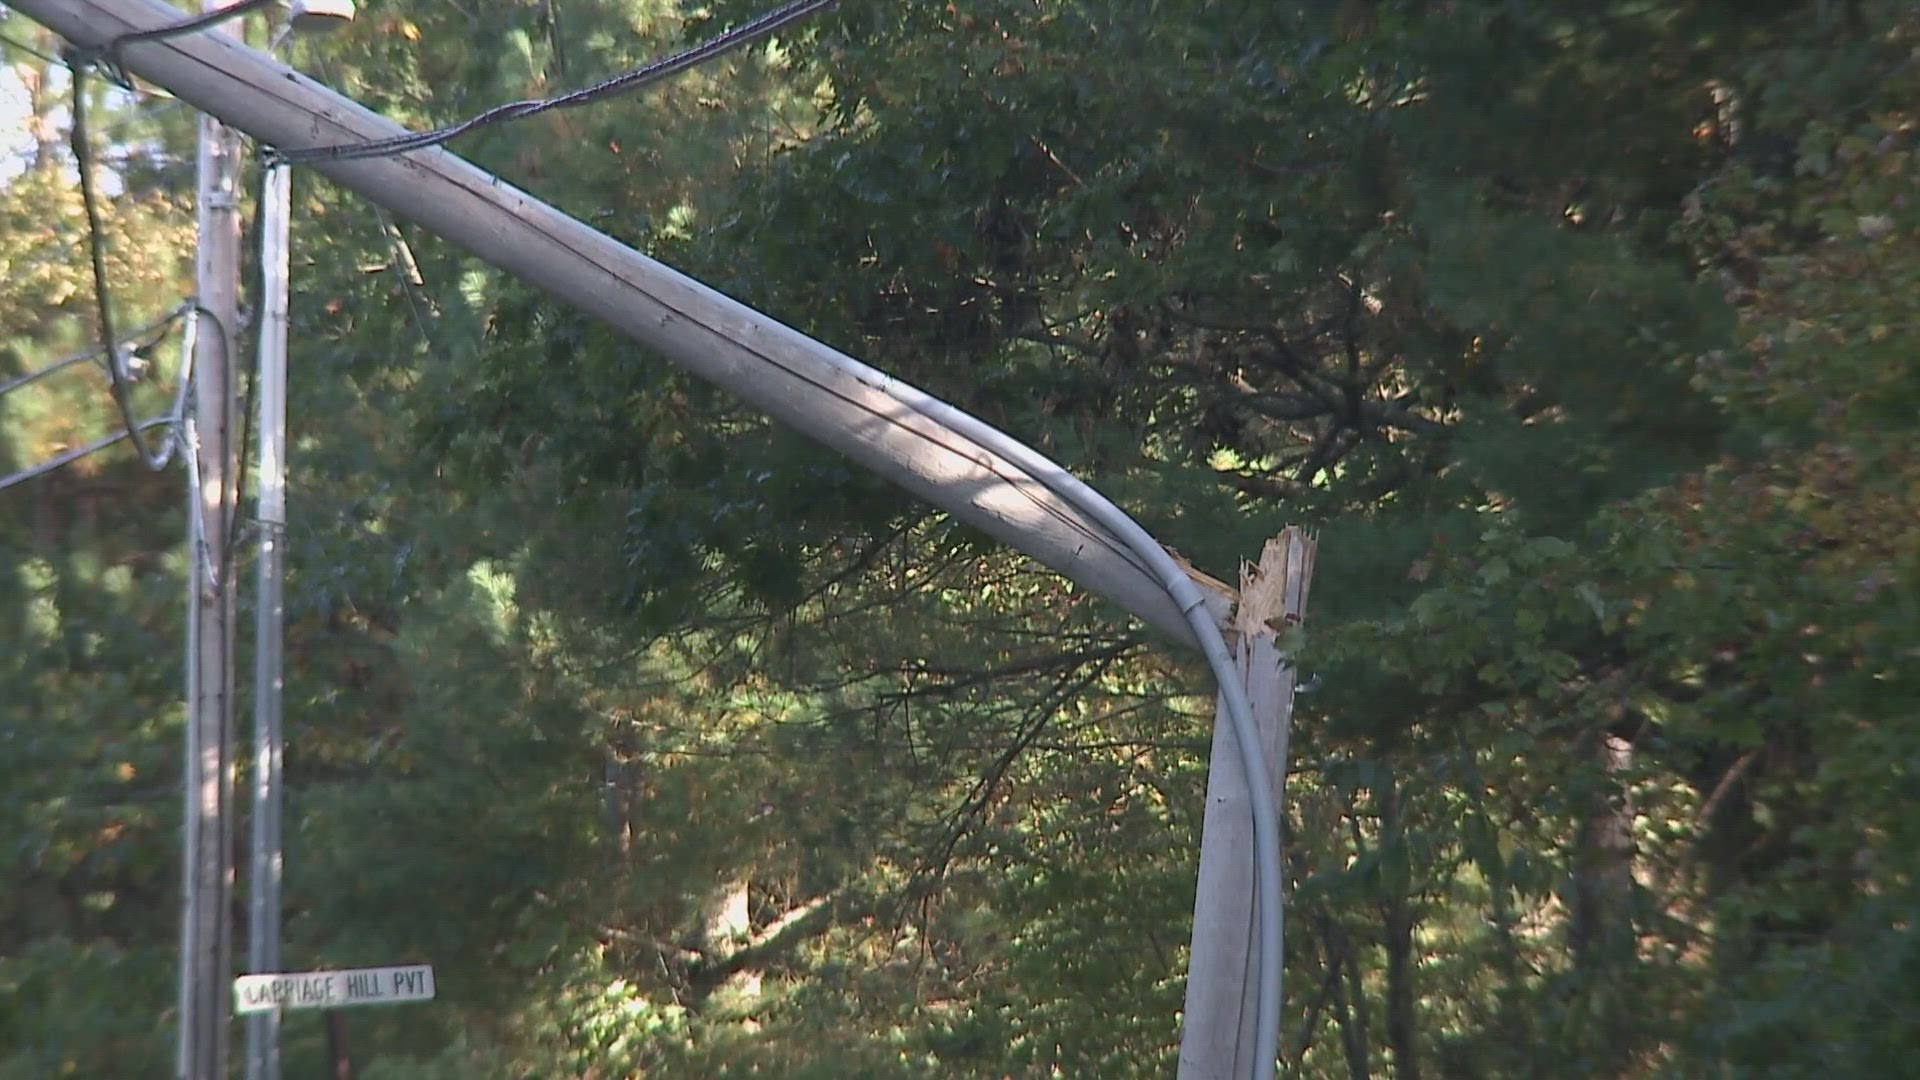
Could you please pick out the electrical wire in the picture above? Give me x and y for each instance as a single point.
(173, 420)
(187, 26)
(183, 380)
(746, 33)
(96, 249)
(189, 436)
(65, 362)
(74, 455)
(107, 57)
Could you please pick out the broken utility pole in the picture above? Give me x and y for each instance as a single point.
(1217, 1035)
(880, 423)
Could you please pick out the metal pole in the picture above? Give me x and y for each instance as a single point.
(207, 924)
(263, 910)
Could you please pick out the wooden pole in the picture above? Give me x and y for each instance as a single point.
(1217, 1037)
(817, 390)
(206, 946)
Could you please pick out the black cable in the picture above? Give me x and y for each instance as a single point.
(107, 57)
(230, 500)
(187, 26)
(653, 72)
(96, 251)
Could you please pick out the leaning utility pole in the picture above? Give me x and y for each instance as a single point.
(206, 938)
(888, 427)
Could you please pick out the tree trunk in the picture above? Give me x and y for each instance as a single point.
(1601, 926)
(729, 928)
(1397, 930)
(1349, 1000)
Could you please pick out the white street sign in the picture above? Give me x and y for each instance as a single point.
(333, 989)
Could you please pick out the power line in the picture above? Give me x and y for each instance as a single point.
(107, 57)
(149, 92)
(65, 362)
(174, 419)
(638, 77)
(96, 251)
(187, 26)
(72, 456)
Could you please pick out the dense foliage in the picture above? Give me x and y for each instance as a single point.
(1582, 333)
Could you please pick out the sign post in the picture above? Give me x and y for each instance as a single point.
(333, 989)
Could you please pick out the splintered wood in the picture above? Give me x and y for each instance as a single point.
(1273, 591)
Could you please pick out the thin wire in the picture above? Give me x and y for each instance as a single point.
(187, 26)
(72, 456)
(31, 377)
(173, 420)
(188, 432)
(239, 477)
(203, 560)
(183, 382)
(638, 77)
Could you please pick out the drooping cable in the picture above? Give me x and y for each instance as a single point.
(183, 379)
(718, 45)
(97, 256)
(189, 436)
(107, 57)
(188, 26)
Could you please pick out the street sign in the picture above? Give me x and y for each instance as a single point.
(333, 989)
